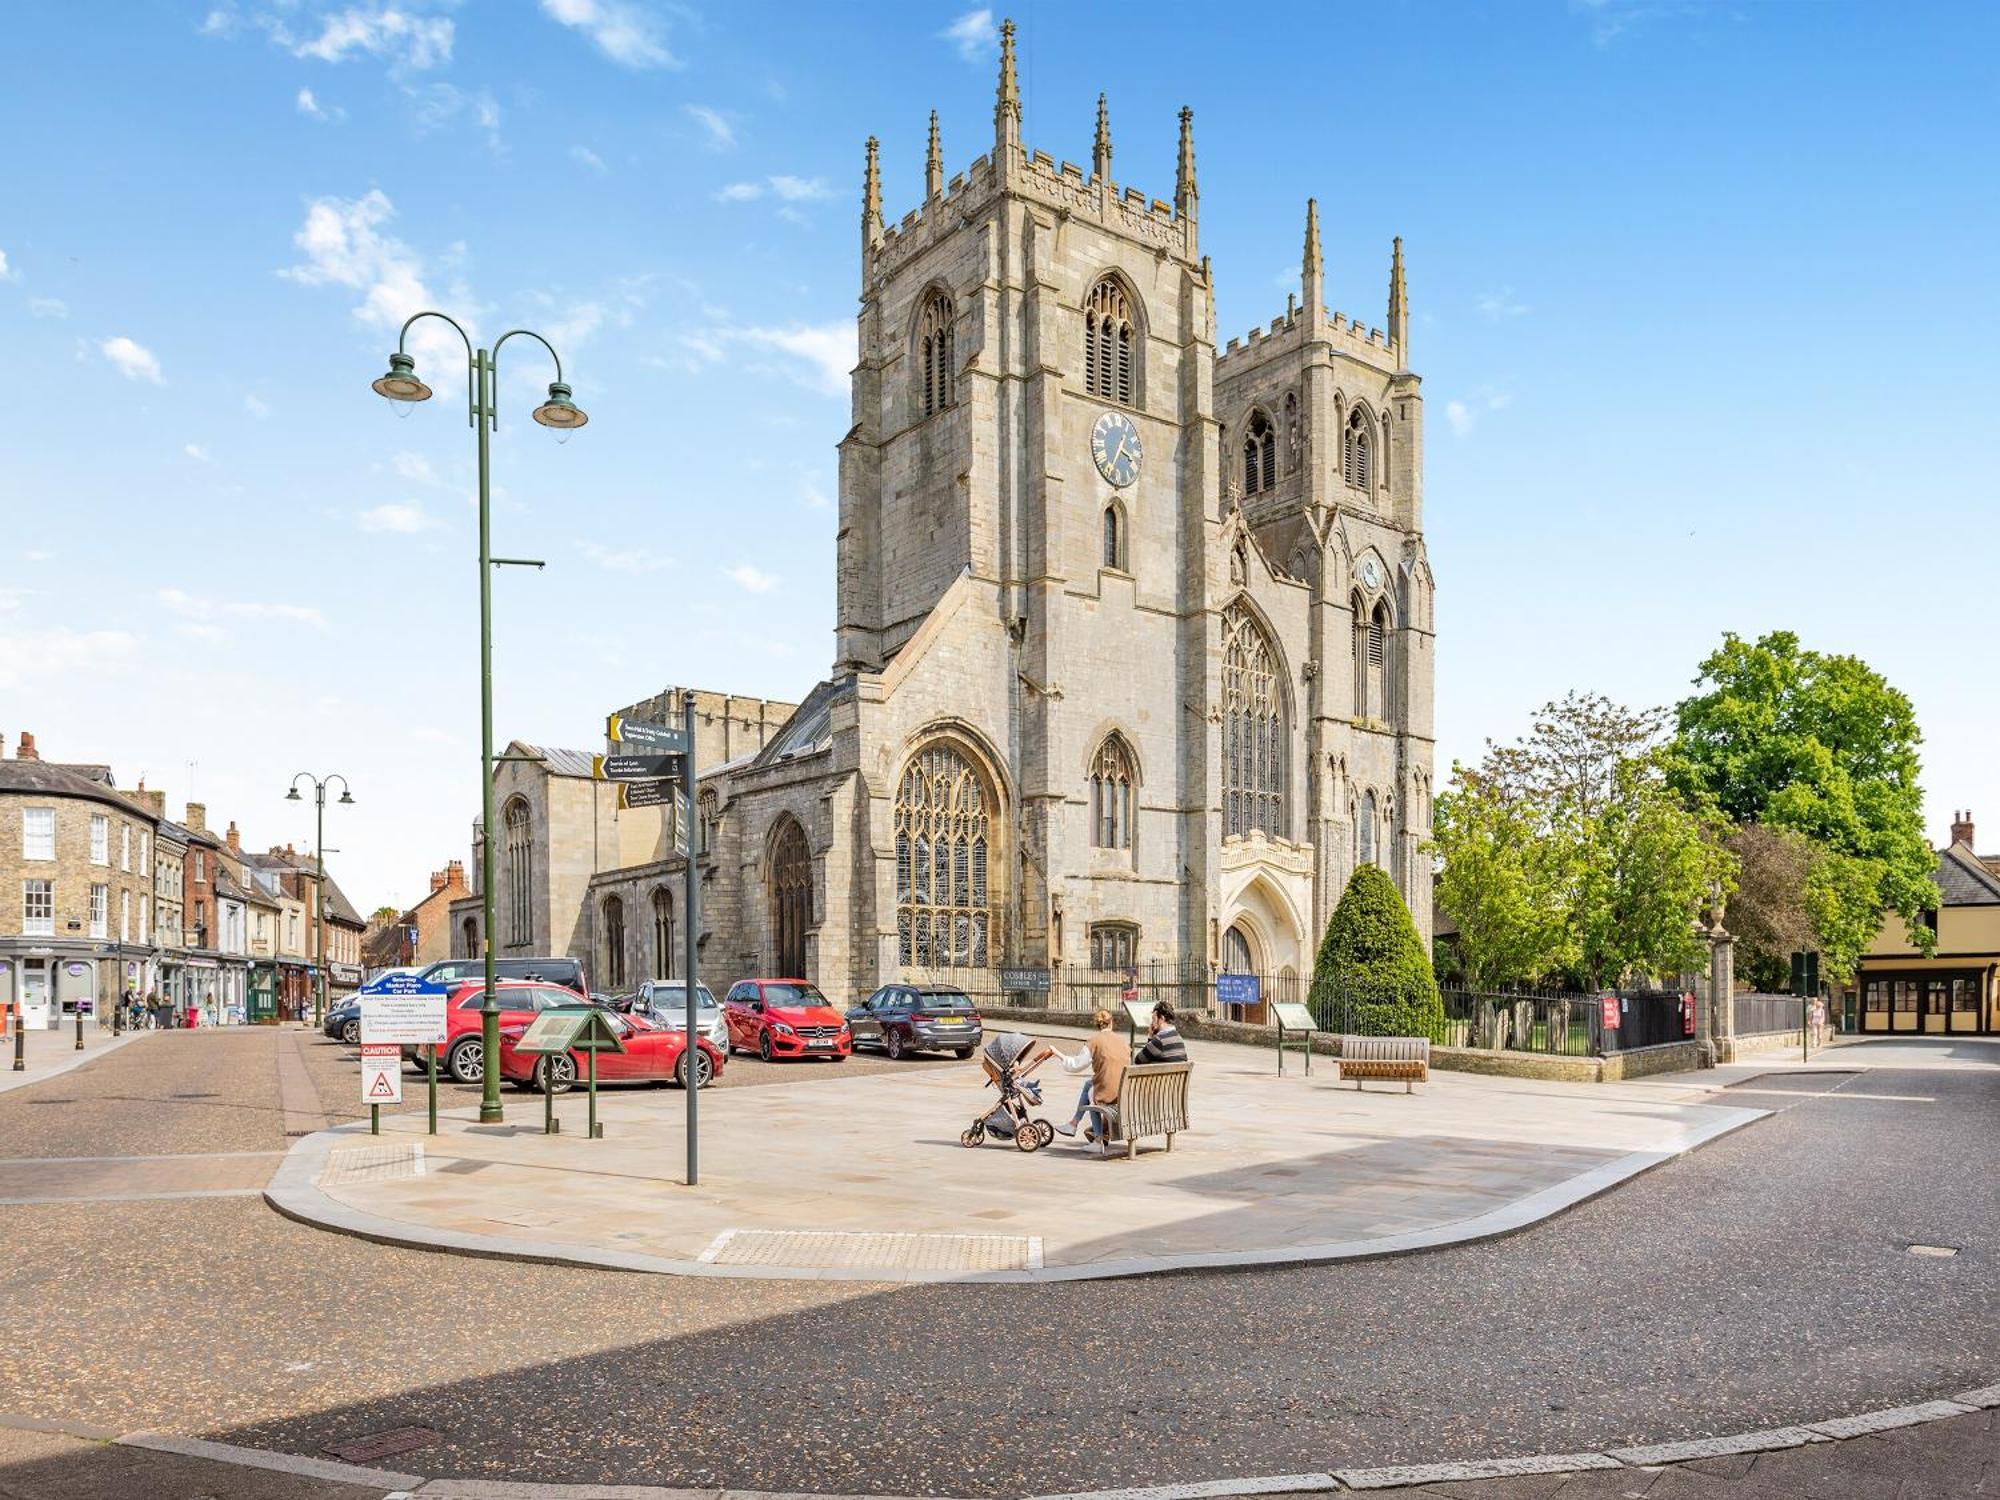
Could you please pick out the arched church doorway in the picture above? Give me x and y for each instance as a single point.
(791, 899)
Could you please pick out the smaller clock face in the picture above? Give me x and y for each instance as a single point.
(1371, 574)
(1114, 443)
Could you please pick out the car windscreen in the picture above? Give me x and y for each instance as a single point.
(674, 997)
(943, 1000)
(793, 994)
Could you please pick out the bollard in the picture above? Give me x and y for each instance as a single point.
(20, 1060)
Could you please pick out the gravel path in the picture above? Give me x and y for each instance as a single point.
(1761, 1280)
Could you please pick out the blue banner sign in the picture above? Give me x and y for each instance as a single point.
(1238, 989)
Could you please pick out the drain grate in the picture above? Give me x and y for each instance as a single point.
(385, 1444)
(859, 1250)
(1939, 1252)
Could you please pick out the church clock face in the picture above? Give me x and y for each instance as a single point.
(1114, 443)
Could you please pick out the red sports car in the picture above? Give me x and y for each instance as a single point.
(784, 1018)
(652, 1054)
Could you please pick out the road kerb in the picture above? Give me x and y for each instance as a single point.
(1397, 1476)
(1269, 1484)
(1652, 1455)
(264, 1458)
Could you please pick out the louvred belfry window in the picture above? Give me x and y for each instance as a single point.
(936, 368)
(1109, 356)
(947, 907)
(1260, 455)
(1356, 453)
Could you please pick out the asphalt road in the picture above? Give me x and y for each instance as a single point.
(1765, 1279)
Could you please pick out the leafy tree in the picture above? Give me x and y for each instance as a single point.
(1494, 882)
(1771, 911)
(1372, 962)
(1823, 746)
(1651, 867)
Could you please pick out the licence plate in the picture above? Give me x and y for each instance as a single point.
(951, 1020)
(819, 1041)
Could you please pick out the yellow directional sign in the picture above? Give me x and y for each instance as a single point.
(642, 735)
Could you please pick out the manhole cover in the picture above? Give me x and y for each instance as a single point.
(1939, 1252)
(373, 1445)
(834, 1249)
(389, 1163)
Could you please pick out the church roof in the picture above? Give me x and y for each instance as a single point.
(811, 725)
(559, 761)
(1963, 879)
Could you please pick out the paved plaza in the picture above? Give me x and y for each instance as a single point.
(864, 1178)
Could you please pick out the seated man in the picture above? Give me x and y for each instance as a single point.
(1163, 1042)
(1107, 1057)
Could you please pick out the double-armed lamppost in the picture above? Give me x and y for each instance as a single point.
(563, 414)
(319, 785)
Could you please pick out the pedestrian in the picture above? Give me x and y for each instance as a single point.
(1163, 1042)
(1106, 1057)
(155, 1006)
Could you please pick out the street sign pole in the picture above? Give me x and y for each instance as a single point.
(691, 911)
(433, 1082)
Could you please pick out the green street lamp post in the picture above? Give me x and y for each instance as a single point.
(564, 415)
(320, 784)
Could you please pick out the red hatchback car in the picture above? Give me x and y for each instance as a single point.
(784, 1018)
(653, 1054)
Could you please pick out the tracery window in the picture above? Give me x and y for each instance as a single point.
(614, 942)
(1109, 355)
(1111, 782)
(1113, 945)
(948, 910)
(520, 851)
(1253, 729)
(663, 935)
(1260, 455)
(936, 370)
(791, 897)
(1356, 452)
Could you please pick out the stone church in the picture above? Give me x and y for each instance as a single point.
(1134, 640)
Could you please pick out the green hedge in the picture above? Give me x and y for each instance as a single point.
(1372, 977)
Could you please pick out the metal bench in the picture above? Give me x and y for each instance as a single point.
(1152, 1100)
(1399, 1059)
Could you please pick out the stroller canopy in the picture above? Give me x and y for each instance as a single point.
(1004, 1050)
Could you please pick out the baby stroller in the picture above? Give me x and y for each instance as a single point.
(1009, 1060)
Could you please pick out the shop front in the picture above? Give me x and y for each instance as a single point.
(1929, 1002)
(263, 994)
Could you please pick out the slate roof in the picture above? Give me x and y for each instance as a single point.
(560, 762)
(811, 725)
(340, 908)
(46, 778)
(1964, 880)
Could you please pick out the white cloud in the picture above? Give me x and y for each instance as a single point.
(721, 135)
(77, 655)
(437, 105)
(400, 518)
(973, 34)
(785, 188)
(47, 307)
(625, 559)
(406, 40)
(196, 607)
(195, 630)
(218, 22)
(413, 466)
(583, 156)
(1459, 415)
(196, 452)
(574, 326)
(753, 579)
(814, 497)
(5, 273)
(257, 407)
(1498, 306)
(1464, 415)
(623, 31)
(345, 246)
(827, 350)
(312, 109)
(133, 361)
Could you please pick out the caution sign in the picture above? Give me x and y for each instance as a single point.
(381, 1073)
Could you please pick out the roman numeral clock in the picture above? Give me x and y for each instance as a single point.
(1114, 444)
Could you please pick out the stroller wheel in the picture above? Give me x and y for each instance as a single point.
(1045, 1130)
(1027, 1136)
(973, 1134)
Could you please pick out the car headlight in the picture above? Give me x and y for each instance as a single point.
(782, 1029)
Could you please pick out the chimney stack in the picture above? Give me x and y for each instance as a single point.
(155, 802)
(27, 750)
(234, 840)
(197, 817)
(439, 880)
(1961, 828)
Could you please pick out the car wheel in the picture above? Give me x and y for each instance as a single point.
(559, 1069)
(892, 1044)
(466, 1062)
(350, 1032)
(961, 1053)
(764, 1045)
(704, 1069)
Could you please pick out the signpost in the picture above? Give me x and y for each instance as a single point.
(1805, 984)
(661, 737)
(644, 793)
(381, 1079)
(406, 1011)
(632, 767)
(1294, 1018)
(570, 1028)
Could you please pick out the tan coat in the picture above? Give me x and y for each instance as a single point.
(1109, 1058)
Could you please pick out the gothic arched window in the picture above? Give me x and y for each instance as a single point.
(1356, 452)
(1260, 455)
(1111, 783)
(1364, 830)
(1110, 355)
(948, 909)
(791, 897)
(1294, 441)
(519, 848)
(470, 933)
(937, 373)
(1378, 637)
(614, 942)
(1254, 735)
(1114, 536)
(663, 935)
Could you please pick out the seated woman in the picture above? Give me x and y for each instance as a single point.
(1106, 1056)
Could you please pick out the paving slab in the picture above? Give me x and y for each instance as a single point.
(862, 1177)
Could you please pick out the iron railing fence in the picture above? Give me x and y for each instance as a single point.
(1763, 1013)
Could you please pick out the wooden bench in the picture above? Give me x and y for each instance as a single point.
(1399, 1059)
(1152, 1100)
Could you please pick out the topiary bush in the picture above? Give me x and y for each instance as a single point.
(1371, 977)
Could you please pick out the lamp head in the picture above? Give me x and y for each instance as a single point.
(559, 411)
(401, 383)
(292, 795)
(346, 799)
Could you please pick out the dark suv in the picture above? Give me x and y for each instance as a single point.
(902, 1018)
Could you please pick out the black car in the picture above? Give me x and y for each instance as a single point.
(902, 1018)
(343, 1021)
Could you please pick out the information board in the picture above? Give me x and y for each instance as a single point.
(1026, 981)
(1139, 1013)
(412, 1019)
(381, 1073)
(1292, 1016)
(1608, 1007)
(1239, 989)
(551, 1031)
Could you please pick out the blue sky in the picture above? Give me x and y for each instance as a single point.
(1703, 297)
